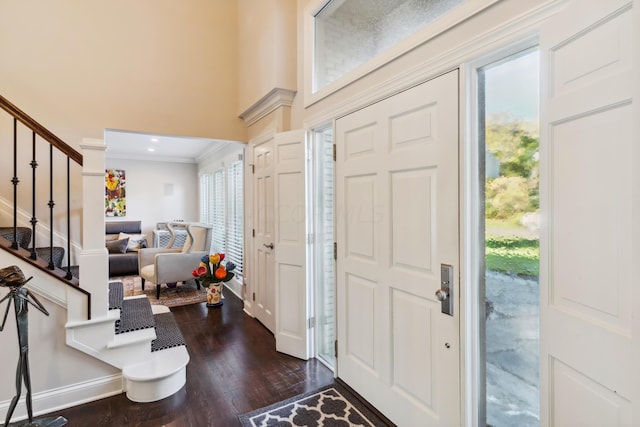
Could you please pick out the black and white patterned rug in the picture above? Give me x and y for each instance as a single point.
(332, 405)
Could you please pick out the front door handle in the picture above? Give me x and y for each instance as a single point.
(445, 293)
(269, 246)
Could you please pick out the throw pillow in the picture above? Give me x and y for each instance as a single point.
(117, 246)
(136, 241)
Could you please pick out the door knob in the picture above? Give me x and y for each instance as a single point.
(269, 246)
(442, 295)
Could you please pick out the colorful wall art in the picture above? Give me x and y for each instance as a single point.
(115, 200)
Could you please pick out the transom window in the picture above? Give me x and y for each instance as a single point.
(348, 33)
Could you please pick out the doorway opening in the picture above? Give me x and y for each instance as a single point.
(323, 244)
(508, 105)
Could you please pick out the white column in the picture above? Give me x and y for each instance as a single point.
(94, 261)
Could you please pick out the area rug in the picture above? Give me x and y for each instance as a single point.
(332, 405)
(183, 294)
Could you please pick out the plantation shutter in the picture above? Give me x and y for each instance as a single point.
(218, 209)
(204, 198)
(234, 223)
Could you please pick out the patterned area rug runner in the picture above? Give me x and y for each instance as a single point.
(332, 405)
(116, 295)
(136, 314)
(168, 333)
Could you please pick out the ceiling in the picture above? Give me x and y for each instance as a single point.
(155, 147)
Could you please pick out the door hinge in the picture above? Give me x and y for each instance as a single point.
(253, 168)
(253, 232)
(335, 349)
(335, 251)
(312, 322)
(334, 152)
(254, 296)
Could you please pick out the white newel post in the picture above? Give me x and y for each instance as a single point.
(94, 261)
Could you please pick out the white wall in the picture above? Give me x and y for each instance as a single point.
(158, 192)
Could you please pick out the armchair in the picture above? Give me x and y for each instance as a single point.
(168, 264)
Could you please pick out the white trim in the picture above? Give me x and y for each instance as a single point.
(66, 397)
(273, 100)
(635, 207)
(159, 159)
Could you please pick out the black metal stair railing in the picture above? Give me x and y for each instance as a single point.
(46, 257)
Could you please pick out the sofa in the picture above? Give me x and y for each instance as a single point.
(123, 240)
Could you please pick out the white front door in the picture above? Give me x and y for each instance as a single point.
(397, 223)
(292, 305)
(586, 274)
(263, 199)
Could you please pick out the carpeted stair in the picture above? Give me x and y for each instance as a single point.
(136, 314)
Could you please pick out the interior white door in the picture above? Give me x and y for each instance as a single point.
(397, 223)
(586, 274)
(292, 306)
(263, 202)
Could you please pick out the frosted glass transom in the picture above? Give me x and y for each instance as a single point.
(350, 32)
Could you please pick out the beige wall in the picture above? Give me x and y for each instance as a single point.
(267, 48)
(161, 66)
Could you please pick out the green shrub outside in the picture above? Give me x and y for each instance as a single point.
(515, 145)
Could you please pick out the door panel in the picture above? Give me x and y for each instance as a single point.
(586, 195)
(397, 222)
(263, 178)
(292, 313)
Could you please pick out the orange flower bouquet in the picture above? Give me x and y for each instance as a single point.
(212, 273)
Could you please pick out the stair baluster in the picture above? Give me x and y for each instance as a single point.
(15, 182)
(69, 275)
(34, 220)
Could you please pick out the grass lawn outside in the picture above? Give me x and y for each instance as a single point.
(513, 255)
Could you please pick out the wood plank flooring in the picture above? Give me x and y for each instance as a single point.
(234, 369)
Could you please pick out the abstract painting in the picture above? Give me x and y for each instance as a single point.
(115, 200)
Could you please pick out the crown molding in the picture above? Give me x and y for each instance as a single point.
(273, 100)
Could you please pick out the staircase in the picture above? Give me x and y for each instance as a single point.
(142, 340)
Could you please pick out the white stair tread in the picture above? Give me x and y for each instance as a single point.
(162, 364)
(158, 309)
(135, 297)
(133, 337)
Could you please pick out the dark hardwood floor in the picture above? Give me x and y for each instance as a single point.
(234, 369)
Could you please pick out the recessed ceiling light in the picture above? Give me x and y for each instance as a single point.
(151, 149)
(154, 140)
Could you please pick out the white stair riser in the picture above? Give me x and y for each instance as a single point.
(156, 389)
(119, 357)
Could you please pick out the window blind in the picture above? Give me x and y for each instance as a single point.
(234, 219)
(218, 212)
(221, 205)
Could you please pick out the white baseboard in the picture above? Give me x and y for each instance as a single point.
(50, 401)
